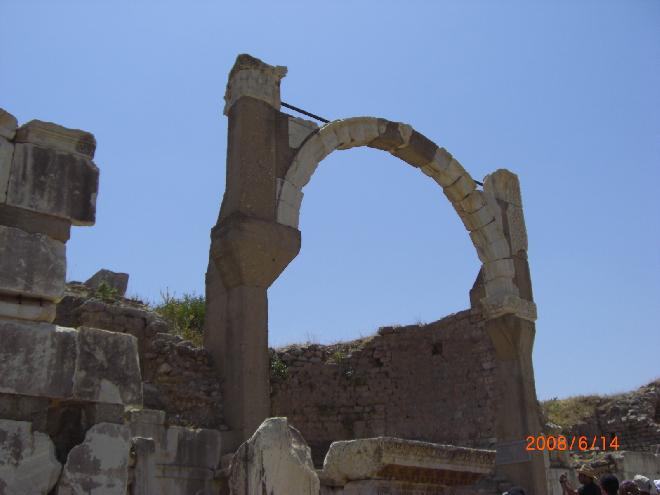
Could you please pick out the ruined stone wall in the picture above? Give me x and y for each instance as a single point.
(633, 417)
(434, 382)
(177, 376)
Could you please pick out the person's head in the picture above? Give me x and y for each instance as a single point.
(610, 484)
(644, 484)
(586, 475)
(516, 490)
(628, 487)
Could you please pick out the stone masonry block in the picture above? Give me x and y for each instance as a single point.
(87, 365)
(419, 152)
(53, 136)
(107, 368)
(473, 202)
(53, 182)
(8, 125)
(502, 268)
(99, 464)
(26, 309)
(31, 265)
(460, 189)
(504, 185)
(6, 156)
(37, 359)
(27, 460)
(477, 219)
(114, 280)
(299, 129)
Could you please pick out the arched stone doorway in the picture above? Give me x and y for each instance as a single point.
(271, 156)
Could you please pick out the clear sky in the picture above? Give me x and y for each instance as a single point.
(564, 93)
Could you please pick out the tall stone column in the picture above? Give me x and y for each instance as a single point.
(512, 333)
(249, 249)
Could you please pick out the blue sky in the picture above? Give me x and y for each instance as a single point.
(564, 93)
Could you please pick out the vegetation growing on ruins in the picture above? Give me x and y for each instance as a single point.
(278, 367)
(184, 314)
(106, 292)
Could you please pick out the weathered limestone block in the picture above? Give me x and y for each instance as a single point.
(54, 136)
(37, 359)
(275, 460)
(256, 79)
(107, 368)
(32, 265)
(27, 460)
(99, 466)
(8, 125)
(27, 310)
(404, 460)
(6, 156)
(44, 360)
(299, 129)
(460, 189)
(144, 469)
(185, 459)
(379, 487)
(114, 280)
(52, 182)
(498, 305)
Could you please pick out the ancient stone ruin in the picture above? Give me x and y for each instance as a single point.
(97, 396)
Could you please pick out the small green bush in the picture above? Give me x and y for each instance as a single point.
(278, 367)
(184, 314)
(106, 292)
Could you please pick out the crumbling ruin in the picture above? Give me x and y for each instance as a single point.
(96, 396)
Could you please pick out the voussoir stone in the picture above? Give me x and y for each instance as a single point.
(32, 265)
(53, 182)
(27, 460)
(98, 466)
(275, 460)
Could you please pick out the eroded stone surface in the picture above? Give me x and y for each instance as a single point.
(8, 124)
(99, 466)
(107, 368)
(53, 182)
(54, 136)
(114, 280)
(6, 155)
(275, 460)
(32, 265)
(27, 460)
(44, 360)
(252, 77)
(405, 460)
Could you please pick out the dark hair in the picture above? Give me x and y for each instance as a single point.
(516, 490)
(610, 484)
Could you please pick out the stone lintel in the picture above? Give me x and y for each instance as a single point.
(404, 460)
(54, 136)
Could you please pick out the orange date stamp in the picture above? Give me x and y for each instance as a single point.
(581, 443)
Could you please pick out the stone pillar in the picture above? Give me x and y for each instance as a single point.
(513, 334)
(249, 249)
(144, 451)
(36, 214)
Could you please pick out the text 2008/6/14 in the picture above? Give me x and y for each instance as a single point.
(561, 442)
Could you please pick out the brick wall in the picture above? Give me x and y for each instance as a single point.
(434, 382)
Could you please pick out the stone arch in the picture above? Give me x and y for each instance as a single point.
(477, 209)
